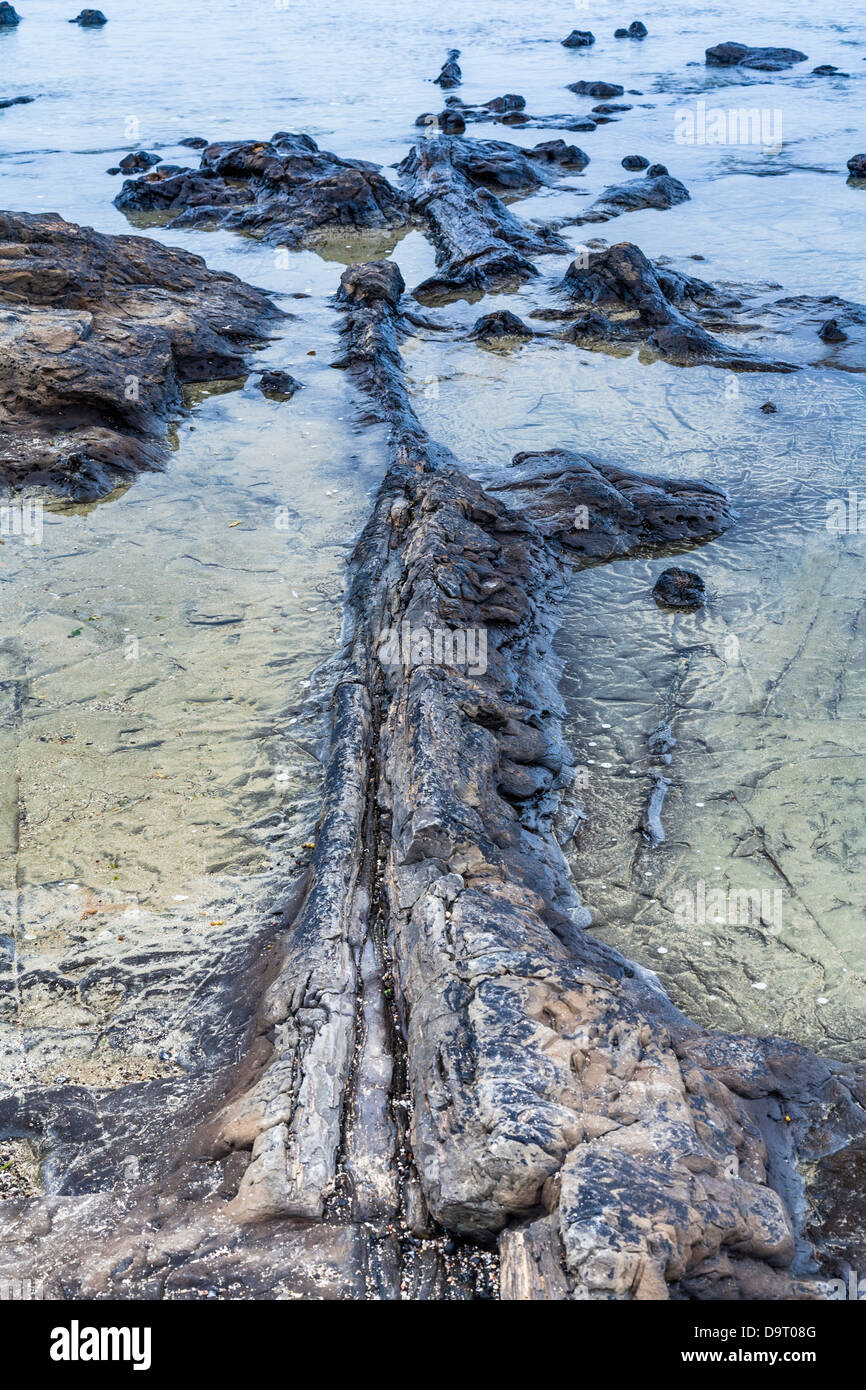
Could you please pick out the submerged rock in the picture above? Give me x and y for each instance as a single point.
(579, 38)
(599, 90)
(7, 14)
(636, 30)
(284, 190)
(632, 300)
(501, 324)
(657, 190)
(857, 166)
(634, 162)
(15, 101)
(90, 19)
(509, 109)
(830, 332)
(726, 55)
(677, 588)
(450, 76)
(194, 142)
(278, 384)
(97, 334)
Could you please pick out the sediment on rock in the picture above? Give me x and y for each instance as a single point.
(284, 190)
(97, 335)
(479, 243)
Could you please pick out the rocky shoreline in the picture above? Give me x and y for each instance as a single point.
(423, 1078)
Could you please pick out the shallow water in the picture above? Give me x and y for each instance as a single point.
(152, 754)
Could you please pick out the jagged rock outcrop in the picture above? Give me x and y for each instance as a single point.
(556, 1097)
(97, 335)
(441, 1046)
(626, 299)
(284, 190)
(479, 243)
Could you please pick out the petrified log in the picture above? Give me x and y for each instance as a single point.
(727, 55)
(503, 167)
(97, 334)
(284, 190)
(556, 1097)
(640, 302)
(479, 243)
(441, 1043)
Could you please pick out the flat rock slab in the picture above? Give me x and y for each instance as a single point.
(97, 335)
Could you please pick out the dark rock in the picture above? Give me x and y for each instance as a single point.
(98, 334)
(7, 14)
(636, 30)
(115, 169)
(676, 588)
(502, 324)
(634, 162)
(579, 38)
(139, 161)
(15, 101)
(656, 171)
(653, 191)
(194, 142)
(830, 332)
(608, 109)
(726, 55)
(508, 109)
(498, 165)
(278, 384)
(768, 408)
(601, 90)
(285, 191)
(555, 1096)
(857, 166)
(828, 70)
(450, 76)
(479, 243)
(558, 152)
(619, 280)
(90, 19)
(451, 122)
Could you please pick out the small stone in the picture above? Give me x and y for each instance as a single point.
(768, 408)
(579, 38)
(678, 588)
(830, 332)
(857, 166)
(8, 15)
(634, 162)
(90, 19)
